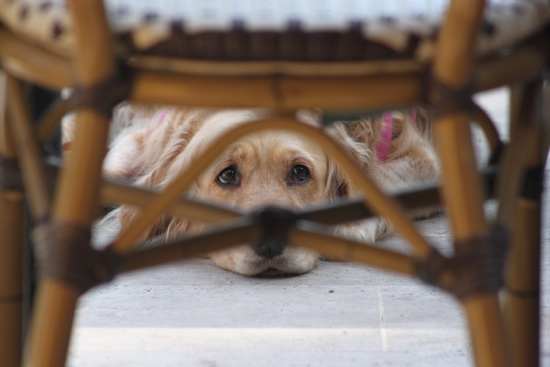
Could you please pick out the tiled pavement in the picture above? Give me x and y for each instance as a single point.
(340, 314)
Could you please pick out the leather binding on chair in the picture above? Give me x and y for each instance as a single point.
(476, 268)
(103, 97)
(298, 30)
(10, 175)
(444, 99)
(64, 253)
(533, 183)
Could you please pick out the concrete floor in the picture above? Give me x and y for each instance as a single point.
(340, 314)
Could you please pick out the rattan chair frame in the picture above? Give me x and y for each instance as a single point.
(501, 336)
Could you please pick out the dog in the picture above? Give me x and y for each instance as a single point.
(152, 145)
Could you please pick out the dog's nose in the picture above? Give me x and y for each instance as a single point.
(270, 248)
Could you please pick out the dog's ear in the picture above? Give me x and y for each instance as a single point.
(141, 140)
(156, 147)
(124, 158)
(359, 139)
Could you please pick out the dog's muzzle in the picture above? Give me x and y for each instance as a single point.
(275, 224)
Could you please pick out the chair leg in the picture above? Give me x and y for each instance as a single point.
(522, 294)
(522, 277)
(11, 281)
(462, 190)
(74, 205)
(464, 198)
(11, 256)
(77, 190)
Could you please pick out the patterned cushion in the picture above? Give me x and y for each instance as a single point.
(299, 30)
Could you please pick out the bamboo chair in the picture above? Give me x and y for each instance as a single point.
(281, 64)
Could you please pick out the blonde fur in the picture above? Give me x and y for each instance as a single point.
(152, 145)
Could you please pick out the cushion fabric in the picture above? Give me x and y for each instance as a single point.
(294, 30)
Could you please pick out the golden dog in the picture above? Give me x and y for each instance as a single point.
(151, 146)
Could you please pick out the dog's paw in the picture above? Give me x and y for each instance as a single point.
(364, 231)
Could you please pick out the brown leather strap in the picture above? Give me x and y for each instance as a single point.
(533, 184)
(10, 175)
(11, 299)
(428, 270)
(476, 268)
(522, 294)
(63, 252)
(442, 98)
(105, 95)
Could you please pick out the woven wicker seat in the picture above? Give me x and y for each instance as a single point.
(299, 30)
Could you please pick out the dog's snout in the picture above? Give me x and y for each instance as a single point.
(270, 248)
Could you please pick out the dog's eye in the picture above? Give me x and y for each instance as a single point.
(300, 174)
(228, 177)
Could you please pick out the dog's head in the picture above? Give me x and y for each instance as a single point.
(268, 168)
